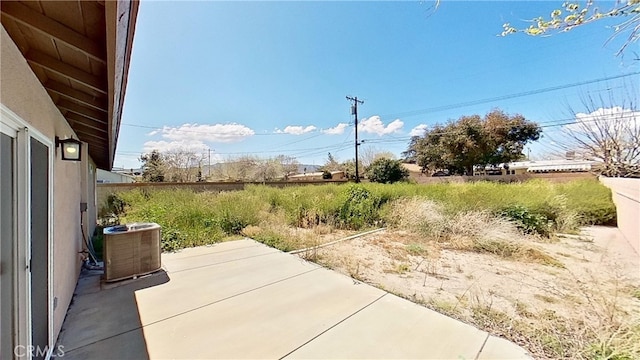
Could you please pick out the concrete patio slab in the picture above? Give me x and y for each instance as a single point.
(394, 328)
(500, 349)
(264, 323)
(242, 299)
(194, 288)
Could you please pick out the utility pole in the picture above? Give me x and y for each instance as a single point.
(209, 168)
(354, 111)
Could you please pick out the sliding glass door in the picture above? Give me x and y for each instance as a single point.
(25, 244)
(8, 238)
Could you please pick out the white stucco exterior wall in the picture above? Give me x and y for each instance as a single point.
(23, 94)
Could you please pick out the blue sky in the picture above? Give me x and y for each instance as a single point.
(270, 78)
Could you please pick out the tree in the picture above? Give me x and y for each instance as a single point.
(331, 164)
(288, 165)
(153, 167)
(349, 169)
(370, 154)
(182, 165)
(573, 15)
(411, 155)
(473, 141)
(253, 168)
(607, 130)
(268, 170)
(387, 171)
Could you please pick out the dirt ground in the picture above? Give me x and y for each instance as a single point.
(587, 304)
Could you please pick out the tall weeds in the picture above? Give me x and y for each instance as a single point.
(192, 219)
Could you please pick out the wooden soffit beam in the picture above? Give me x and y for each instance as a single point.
(49, 27)
(92, 139)
(80, 127)
(76, 95)
(68, 71)
(95, 115)
(85, 121)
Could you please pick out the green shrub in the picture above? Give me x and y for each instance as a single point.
(360, 208)
(172, 240)
(98, 241)
(528, 222)
(387, 171)
(114, 207)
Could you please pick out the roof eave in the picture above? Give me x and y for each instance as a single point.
(120, 19)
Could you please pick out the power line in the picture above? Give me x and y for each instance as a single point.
(339, 147)
(549, 124)
(343, 145)
(503, 97)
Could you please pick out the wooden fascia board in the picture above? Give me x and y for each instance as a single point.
(76, 95)
(49, 27)
(120, 21)
(92, 114)
(63, 69)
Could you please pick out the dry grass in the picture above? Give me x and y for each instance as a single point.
(481, 270)
(478, 231)
(553, 312)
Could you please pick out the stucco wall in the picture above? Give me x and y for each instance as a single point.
(23, 94)
(626, 196)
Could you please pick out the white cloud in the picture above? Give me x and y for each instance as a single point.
(336, 130)
(418, 130)
(296, 130)
(220, 133)
(162, 146)
(374, 125)
(605, 118)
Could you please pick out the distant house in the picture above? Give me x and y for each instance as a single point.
(538, 167)
(130, 172)
(416, 170)
(315, 176)
(412, 168)
(105, 177)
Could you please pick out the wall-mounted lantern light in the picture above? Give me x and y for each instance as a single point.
(70, 149)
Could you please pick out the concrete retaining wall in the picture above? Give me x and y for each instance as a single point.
(626, 196)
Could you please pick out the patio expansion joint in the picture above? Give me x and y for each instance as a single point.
(222, 262)
(195, 309)
(333, 326)
(482, 347)
(217, 251)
